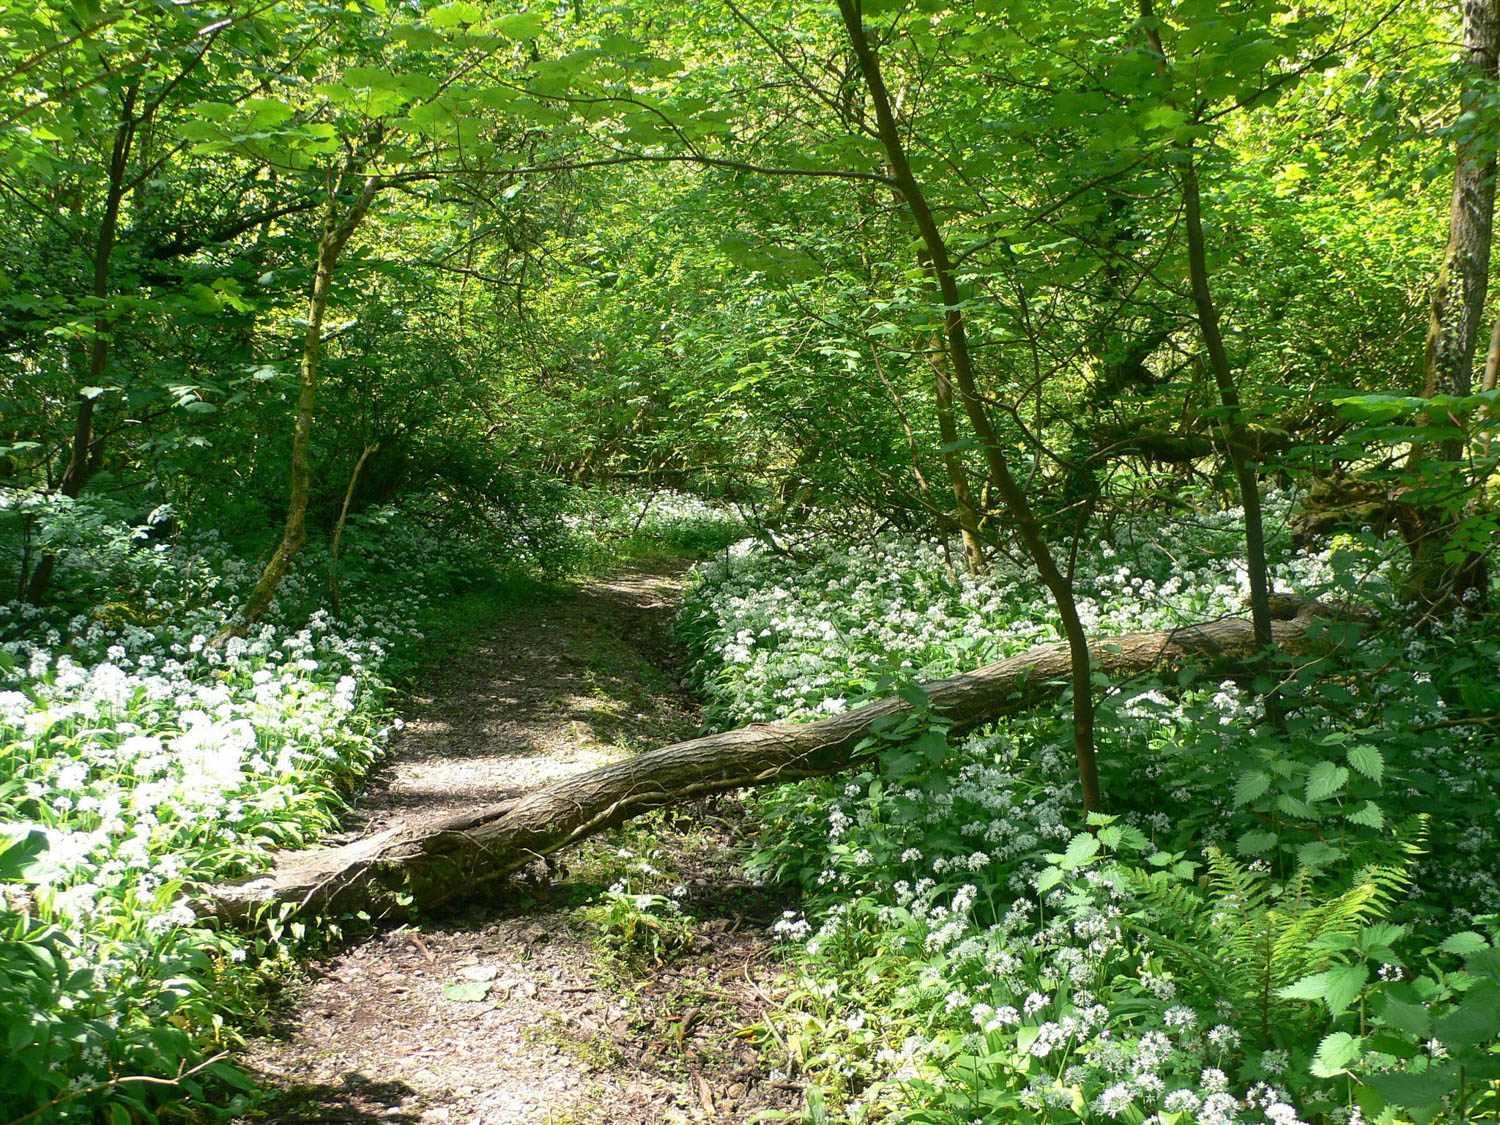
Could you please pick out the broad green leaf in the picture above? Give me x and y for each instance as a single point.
(1324, 780)
(1367, 760)
(1344, 985)
(1081, 848)
(1335, 1053)
(469, 992)
(1475, 1021)
(1464, 942)
(1250, 786)
(1255, 842)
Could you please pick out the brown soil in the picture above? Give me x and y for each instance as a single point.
(564, 1031)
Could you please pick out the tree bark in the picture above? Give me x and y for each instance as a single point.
(80, 463)
(461, 856)
(1458, 295)
(339, 225)
(338, 528)
(956, 333)
(1232, 426)
(1456, 309)
(953, 462)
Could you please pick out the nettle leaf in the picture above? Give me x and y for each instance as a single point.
(1081, 848)
(1474, 1021)
(1336, 987)
(1250, 786)
(1253, 843)
(1416, 1090)
(1367, 760)
(1318, 854)
(1368, 814)
(1312, 987)
(1401, 1008)
(1335, 1053)
(1464, 942)
(1325, 779)
(1344, 985)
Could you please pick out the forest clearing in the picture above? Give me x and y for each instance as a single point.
(811, 561)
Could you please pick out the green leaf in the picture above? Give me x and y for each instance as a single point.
(1335, 1053)
(1324, 780)
(1475, 1021)
(1464, 942)
(1401, 1008)
(1048, 879)
(1368, 814)
(1367, 760)
(454, 13)
(526, 25)
(1081, 848)
(1344, 985)
(469, 991)
(1317, 854)
(1250, 786)
(1253, 843)
(1312, 987)
(1416, 1090)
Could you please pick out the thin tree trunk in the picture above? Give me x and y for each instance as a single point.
(953, 463)
(1232, 424)
(83, 452)
(338, 225)
(463, 856)
(338, 528)
(1236, 440)
(956, 333)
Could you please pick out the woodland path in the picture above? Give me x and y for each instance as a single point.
(563, 1035)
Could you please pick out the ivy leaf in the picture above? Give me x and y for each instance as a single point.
(1325, 780)
(1367, 760)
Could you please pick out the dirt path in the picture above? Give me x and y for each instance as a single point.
(558, 1031)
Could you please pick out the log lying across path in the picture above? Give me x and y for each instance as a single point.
(460, 856)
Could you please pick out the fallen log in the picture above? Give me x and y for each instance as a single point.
(459, 857)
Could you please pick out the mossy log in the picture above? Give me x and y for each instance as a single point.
(458, 858)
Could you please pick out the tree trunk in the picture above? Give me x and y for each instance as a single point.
(1236, 437)
(1232, 426)
(338, 226)
(338, 528)
(462, 856)
(953, 462)
(1457, 306)
(956, 333)
(1459, 291)
(83, 452)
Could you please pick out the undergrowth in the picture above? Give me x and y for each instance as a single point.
(1271, 925)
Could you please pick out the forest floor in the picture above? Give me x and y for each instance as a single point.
(564, 1032)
